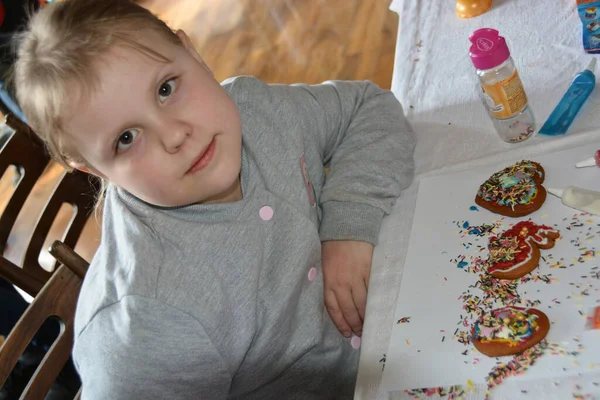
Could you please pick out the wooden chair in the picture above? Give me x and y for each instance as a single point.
(58, 299)
(26, 151)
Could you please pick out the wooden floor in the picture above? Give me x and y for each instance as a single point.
(279, 41)
(289, 41)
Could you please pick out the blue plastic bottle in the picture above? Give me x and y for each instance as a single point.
(565, 112)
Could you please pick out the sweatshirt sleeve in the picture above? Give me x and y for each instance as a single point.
(367, 143)
(139, 348)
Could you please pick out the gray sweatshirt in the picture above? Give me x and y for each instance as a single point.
(221, 301)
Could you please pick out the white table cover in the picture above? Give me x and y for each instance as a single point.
(436, 83)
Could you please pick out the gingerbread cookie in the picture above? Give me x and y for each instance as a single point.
(515, 191)
(509, 330)
(516, 252)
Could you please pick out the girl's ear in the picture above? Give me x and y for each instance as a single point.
(189, 46)
(80, 166)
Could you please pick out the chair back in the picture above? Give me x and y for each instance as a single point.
(57, 299)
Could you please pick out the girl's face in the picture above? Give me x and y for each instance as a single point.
(166, 132)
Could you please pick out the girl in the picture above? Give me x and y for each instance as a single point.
(224, 243)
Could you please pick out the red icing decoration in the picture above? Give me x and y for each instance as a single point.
(522, 248)
(532, 230)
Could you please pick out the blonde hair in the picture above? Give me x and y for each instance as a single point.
(59, 48)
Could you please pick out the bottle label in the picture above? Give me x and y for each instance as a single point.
(506, 97)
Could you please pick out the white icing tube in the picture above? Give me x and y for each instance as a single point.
(588, 162)
(578, 198)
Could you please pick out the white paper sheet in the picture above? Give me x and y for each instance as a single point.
(423, 353)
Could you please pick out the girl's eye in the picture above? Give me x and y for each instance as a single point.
(166, 90)
(126, 139)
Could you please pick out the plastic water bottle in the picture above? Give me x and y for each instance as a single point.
(501, 87)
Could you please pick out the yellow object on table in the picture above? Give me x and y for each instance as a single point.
(472, 8)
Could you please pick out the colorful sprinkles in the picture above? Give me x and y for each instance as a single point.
(453, 392)
(512, 186)
(517, 366)
(488, 293)
(481, 230)
(522, 136)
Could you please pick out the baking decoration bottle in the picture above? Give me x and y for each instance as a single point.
(501, 87)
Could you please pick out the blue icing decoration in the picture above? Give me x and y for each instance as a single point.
(508, 181)
(526, 197)
(475, 231)
(466, 225)
(462, 264)
(473, 208)
(512, 186)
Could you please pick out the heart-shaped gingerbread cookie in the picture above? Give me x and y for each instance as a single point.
(516, 252)
(509, 330)
(515, 191)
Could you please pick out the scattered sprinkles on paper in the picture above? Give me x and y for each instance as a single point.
(488, 293)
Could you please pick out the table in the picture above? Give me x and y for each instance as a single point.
(436, 84)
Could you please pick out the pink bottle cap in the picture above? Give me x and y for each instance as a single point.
(488, 49)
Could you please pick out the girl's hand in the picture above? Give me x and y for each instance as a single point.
(346, 271)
